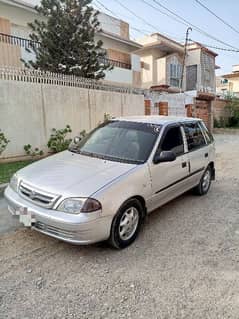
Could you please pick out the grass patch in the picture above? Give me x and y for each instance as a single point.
(8, 169)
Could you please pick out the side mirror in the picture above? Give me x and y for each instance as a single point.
(164, 156)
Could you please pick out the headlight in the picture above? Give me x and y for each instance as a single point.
(78, 205)
(14, 182)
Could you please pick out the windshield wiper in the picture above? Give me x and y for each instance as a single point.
(91, 154)
(122, 160)
(74, 150)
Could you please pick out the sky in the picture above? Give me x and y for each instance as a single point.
(155, 21)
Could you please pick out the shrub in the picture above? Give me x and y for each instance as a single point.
(221, 122)
(3, 142)
(107, 117)
(83, 134)
(29, 150)
(58, 141)
(233, 109)
(216, 123)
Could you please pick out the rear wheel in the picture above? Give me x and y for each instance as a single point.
(205, 183)
(126, 224)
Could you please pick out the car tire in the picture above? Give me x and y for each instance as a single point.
(203, 187)
(126, 224)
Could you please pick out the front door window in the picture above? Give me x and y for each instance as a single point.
(173, 141)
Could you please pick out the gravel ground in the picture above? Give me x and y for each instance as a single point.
(185, 263)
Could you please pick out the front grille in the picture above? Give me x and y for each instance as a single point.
(37, 197)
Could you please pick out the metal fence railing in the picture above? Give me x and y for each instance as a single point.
(46, 77)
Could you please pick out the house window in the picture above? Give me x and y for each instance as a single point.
(191, 77)
(175, 74)
(207, 75)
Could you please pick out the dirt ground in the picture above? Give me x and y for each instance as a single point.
(185, 263)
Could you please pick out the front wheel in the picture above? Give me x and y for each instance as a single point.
(126, 224)
(205, 183)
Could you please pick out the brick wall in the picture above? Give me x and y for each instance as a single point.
(198, 107)
(163, 108)
(219, 109)
(189, 110)
(202, 110)
(147, 107)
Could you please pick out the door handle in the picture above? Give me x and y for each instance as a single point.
(184, 164)
(206, 154)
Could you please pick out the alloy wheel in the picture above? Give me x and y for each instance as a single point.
(128, 223)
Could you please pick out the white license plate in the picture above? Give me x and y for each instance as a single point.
(25, 216)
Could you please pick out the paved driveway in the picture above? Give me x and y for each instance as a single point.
(185, 263)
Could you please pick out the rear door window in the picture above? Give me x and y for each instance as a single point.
(194, 135)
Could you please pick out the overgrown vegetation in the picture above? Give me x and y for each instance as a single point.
(107, 117)
(58, 141)
(233, 109)
(232, 120)
(222, 122)
(3, 142)
(32, 152)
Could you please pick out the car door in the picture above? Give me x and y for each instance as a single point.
(198, 151)
(168, 178)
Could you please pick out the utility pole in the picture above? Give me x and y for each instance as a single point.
(184, 56)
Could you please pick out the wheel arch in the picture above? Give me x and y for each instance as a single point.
(142, 202)
(140, 199)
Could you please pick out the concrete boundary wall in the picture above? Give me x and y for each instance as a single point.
(28, 111)
(176, 102)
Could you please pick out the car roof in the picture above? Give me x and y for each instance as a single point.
(157, 119)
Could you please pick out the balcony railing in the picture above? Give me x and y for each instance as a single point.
(27, 43)
(22, 42)
(116, 63)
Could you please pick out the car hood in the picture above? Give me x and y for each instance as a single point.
(70, 174)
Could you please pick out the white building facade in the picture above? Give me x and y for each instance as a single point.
(14, 39)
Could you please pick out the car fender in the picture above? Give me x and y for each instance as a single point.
(136, 182)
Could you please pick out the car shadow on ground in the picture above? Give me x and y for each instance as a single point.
(158, 228)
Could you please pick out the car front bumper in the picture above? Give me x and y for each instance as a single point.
(81, 229)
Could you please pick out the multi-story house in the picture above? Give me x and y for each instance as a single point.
(14, 39)
(223, 86)
(200, 69)
(162, 62)
(228, 84)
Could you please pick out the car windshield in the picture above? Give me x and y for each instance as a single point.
(123, 141)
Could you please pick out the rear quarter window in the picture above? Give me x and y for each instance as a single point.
(206, 133)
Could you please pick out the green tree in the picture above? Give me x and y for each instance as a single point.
(66, 39)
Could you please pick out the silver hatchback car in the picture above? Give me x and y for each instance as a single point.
(105, 184)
